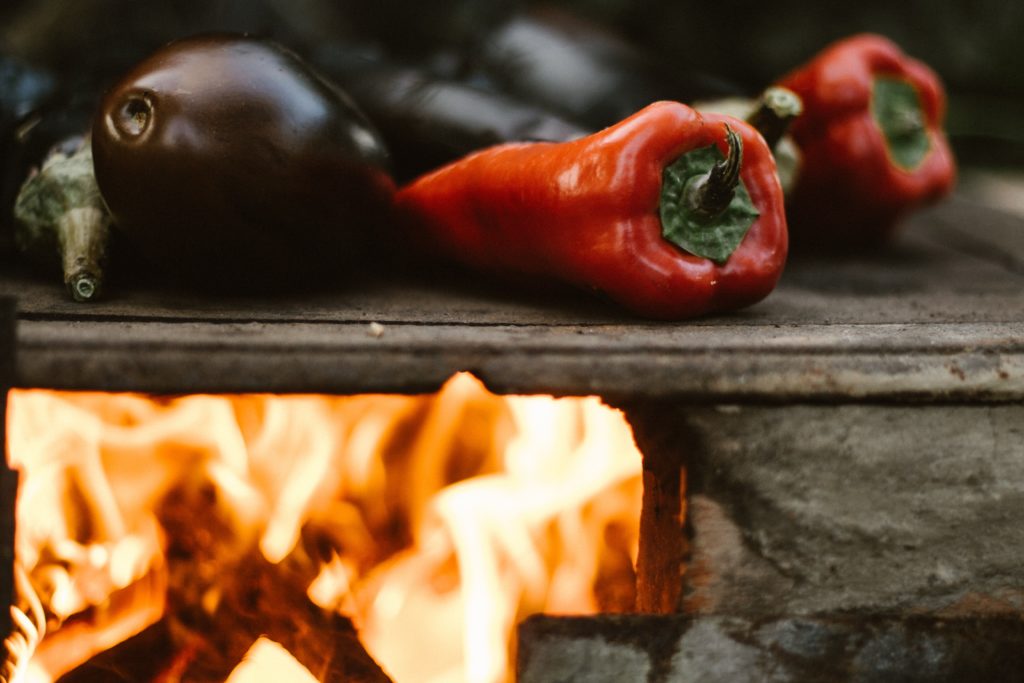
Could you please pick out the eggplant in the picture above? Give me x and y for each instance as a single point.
(24, 90)
(61, 214)
(411, 28)
(230, 163)
(428, 120)
(53, 212)
(582, 71)
(97, 40)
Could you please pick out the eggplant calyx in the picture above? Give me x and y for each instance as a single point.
(62, 218)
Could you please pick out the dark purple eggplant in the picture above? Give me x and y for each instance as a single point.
(583, 71)
(24, 90)
(97, 40)
(62, 219)
(52, 207)
(429, 120)
(412, 28)
(230, 163)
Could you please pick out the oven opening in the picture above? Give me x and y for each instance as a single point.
(311, 537)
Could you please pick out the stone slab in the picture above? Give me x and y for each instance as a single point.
(868, 509)
(721, 649)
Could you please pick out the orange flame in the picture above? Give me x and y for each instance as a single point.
(450, 517)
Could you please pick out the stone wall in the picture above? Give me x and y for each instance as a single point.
(876, 509)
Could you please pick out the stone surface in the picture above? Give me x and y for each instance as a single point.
(873, 509)
(826, 649)
(566, 659)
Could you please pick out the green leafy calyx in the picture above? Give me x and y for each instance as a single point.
(896, 108)
(692, 227)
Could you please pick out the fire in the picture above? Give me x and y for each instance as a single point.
(434, 523)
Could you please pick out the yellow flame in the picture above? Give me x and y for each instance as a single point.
(268, 661)
(451, 517)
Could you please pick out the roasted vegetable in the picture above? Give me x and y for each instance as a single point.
(229, 162)
(429, 120)
(669, 213)
(23, 90)
(61, 215)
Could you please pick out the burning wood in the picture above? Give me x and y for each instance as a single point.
(266, 660)
(8, 491)
(664, 545)
(223, 594)
(28, 624)
(431, 524)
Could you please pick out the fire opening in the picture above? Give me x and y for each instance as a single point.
(244, 537)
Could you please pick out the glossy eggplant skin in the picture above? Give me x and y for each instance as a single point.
(429, 119)
(229, 163)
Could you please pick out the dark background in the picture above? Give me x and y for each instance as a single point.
(975, 46)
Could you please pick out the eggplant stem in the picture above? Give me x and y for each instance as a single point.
(83, 233)
(84, 287)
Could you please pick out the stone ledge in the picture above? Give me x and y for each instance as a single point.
(822, 649)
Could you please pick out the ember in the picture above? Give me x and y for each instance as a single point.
(301, 530)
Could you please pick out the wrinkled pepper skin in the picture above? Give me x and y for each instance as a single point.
(586, 212)
(851, 191)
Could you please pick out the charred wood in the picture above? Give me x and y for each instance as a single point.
(664, 546)
(223, 594)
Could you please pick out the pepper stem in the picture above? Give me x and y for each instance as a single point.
(710, 194)
(907, 122)
(776, 109)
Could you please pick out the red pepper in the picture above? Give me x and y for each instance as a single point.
(591, 212)
(872, 142)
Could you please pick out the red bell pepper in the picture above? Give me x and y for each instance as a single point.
(872, 142)
(670, 213)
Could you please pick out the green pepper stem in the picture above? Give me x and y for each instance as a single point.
(776, 109)
(710, 194)
(907, 122)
